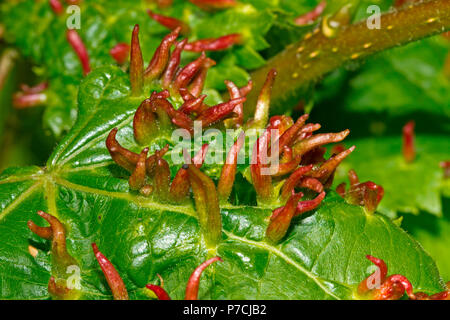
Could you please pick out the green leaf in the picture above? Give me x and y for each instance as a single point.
(433, 233)
(42, 37)
(408, 188)
(404, 80)
(321, 257)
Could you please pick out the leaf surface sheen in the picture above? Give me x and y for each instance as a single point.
(408, 188)
(321, 257)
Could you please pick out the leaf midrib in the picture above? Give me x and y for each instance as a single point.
(271, 249)
(49, 181)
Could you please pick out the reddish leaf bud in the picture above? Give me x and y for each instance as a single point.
(214, 44)
(61, 259)
(162, 179)
(120, 52)
(340, 189)
(324, 172)
(161, 56)
(293, 180)
(144, 123)
(179, 189)
(138, 177)
(366, 194)
(194, 280)
(136, 64)
(446, 166)
(185, 76)
(288, 137)
(378, 287)
(311, 183)
(282, 169)
(159, 292)
(261, 116)
(28, 100)
(113, 278)
(353, 177)
(169, 22)
(153, 160)
(375, 278)
(207, 204)
(409, 152)
(214, 4)
(196, 86)
(308, 205)
(228, 174)
(78, 46)
(303, 146)
(123, 157)
(311, 16)
(194, 105)
(236, 93)
(218, 112)
(173, 64)
(56, 6)
(279, 224)
(262, 182)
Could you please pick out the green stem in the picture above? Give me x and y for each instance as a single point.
(306, 61)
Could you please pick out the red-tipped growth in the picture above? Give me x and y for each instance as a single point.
(173, 64)
(446, 166)
(409, 152)
(376, 278)
(219, 112)
(279, 224)
(311, 16)
(56, 6)
(262, 182)
(214, 44)
(228, 174)
(160, 293)
(261, 116)
(293, 180)
(78, 46)
(179, 189)
(214, 4)
(188, 72)
(113, 278)
(379, 287)
(120, 52)
(136, 64)
(367, 194)
(206, 204)
(235, 93)
(159, 60)
(30, 96)
(308, 205)
(123, 157)
(194, 280)
(164, 3)
(169, 22)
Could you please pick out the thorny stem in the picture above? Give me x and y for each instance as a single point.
(314, 56)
